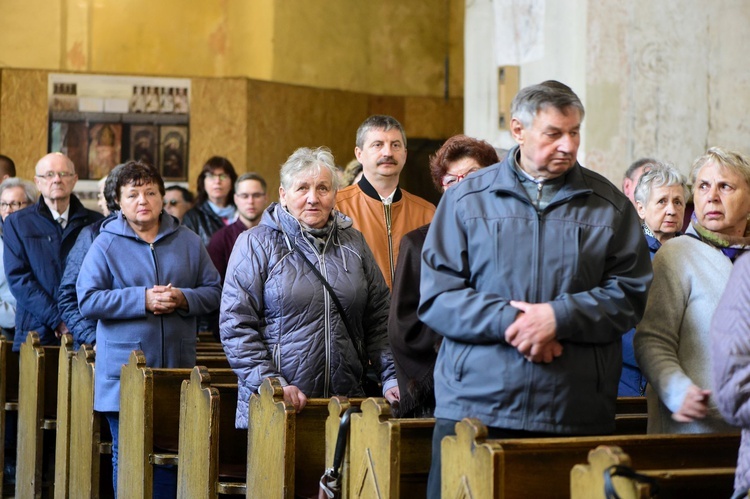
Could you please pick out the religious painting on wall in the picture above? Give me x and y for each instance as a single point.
(100, 121)
(173, 152)
(72, 140)
(105, 145)
(144, 144)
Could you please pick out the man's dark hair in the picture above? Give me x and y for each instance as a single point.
(186, 194)
(7, 166)
(378, 122)
(251, 176)
(639, 163)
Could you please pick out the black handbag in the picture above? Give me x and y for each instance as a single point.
(369, 384)
(330, 484)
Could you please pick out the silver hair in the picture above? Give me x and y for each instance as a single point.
(532, 99)
(378, 122)
(658, 174)
(305, 159)
(28, 188)
(725, 158)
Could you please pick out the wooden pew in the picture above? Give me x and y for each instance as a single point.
(285, 450)
(62, 434)
(8, 391)
(587, 480)
(529, 468)
(149, 420)
(389, 457)
(37, 410)
(90, 442)
(212, 452)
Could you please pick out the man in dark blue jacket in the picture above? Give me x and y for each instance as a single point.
(532, 270)
(37, 241)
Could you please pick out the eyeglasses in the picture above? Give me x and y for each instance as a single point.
(16, 205)
(52, 175)
(220, 176)
(254, 195)
(449, 180)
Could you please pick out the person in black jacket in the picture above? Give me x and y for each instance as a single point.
(214, 207)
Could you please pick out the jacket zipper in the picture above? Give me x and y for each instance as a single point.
(161, 318)
(326, 317)
(388, 212)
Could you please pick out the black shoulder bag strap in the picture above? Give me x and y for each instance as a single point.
(339, 307)
(627, 472)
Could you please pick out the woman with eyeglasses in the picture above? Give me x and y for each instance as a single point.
(414, 344)
(15, 194)
(214, 207)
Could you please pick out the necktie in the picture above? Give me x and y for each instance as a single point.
(61, 221)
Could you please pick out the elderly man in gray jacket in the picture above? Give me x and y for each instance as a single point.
(532, 270)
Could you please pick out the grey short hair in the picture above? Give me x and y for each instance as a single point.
(378, 122)
(731, 160)
(659, 175)
(532, 99)
(305, 159)
(28, 188)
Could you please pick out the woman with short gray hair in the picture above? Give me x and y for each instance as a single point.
(660, 198)
(304, 300)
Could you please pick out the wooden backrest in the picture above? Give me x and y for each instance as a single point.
(8, 389)
(587, 480)
(522, 468)
(62, 435)
(212, 360)
(85, 426)
(286, 451)
(631, 405)
(37, 407)
(390, 457)
(149, 420)
(210, 445)
(199, 449)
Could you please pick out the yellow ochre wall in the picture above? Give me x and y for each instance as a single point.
(267, 76)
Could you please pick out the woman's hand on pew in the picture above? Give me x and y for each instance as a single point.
(393, 395)
(294, 396)
(695, 405)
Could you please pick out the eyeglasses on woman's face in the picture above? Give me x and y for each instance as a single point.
(217, 176)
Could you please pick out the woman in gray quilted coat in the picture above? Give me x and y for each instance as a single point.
(278, 318)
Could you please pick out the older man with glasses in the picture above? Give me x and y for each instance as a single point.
(37, 241)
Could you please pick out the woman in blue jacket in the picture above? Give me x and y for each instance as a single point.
(145, 279)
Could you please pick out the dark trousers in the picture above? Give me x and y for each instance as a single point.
(447, 427)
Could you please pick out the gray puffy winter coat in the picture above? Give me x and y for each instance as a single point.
(278, 320)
